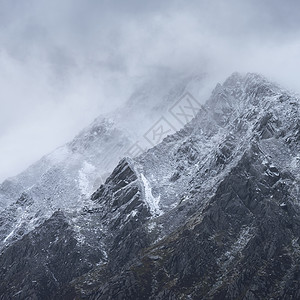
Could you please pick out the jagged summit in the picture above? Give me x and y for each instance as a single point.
(246, 89)
(249, 79)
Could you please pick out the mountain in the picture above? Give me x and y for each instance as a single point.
(211, 212)
(66, 178)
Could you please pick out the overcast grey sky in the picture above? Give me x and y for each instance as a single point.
(63, 62)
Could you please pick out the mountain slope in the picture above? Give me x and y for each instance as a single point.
(228, 182)
(212, 212)
(243, 245)
(66, 178)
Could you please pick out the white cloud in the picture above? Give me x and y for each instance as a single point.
(64, 62)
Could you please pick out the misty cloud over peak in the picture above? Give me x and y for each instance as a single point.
(62, 63)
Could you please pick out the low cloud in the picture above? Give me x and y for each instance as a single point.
(62, 63)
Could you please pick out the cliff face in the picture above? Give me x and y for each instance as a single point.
(212, 212)
(243, 245)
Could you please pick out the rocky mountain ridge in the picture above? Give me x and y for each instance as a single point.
(66, 178)
(212, 212)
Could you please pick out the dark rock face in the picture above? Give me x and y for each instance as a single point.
(123, 212)
(41, 263)
(210, 213)
(245, 245)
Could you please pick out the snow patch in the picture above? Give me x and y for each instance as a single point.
(151, 226)
(244, 237)
(84, 178)
(152, 202)
(131, 214)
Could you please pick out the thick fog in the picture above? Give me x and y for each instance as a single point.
(64, 62)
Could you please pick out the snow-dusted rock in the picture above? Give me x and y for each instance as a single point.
(211, 212)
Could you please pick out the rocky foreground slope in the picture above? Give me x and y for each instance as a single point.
(212, 212)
